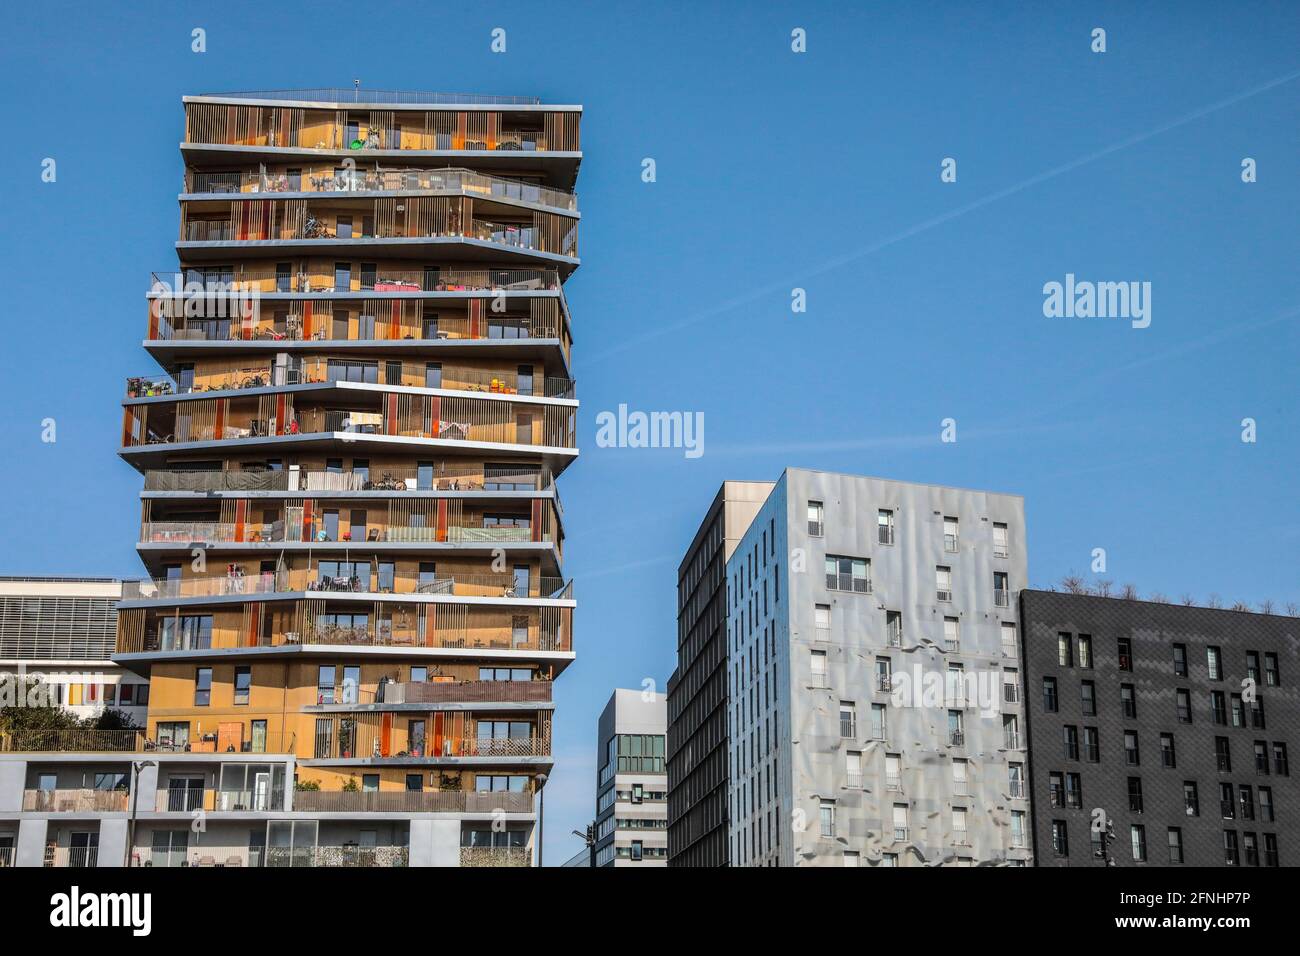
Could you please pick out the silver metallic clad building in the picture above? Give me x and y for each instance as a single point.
(875, 713)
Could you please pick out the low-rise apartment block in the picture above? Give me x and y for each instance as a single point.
(1160, 734)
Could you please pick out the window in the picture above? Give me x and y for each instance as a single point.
(1064, 650)
(894, 628)
(1246, 802)
(1180, 660)
(1237, 710)
(950, 534)
(1092, 744)
(1070, 737)
(848, 720)
(243, 684)
(1074, 791)
(1214, 662)
(1175, 845)
(1266, 804)
(325, 675)
(1060, 839)
(848, 574)
(1010, 731)
(1272, 677)
(885, 526)
(817, 662)
(1251, 846)
(816, 525)
(1131, 754)
(1230, 857)
(1135, 794)
(1257, 714)
(960, 778)
(827, 816)
(1049, 695)
(951, 634)
(1001, 545)
(1167, 756)
(1218, 707)
(1281, 766)
(1252, 665)
(1128, 700)
(1001, 589)
(1138, 839)
(1223, 754)
(1270, 849)
(853, 770)
(1017, 828)
(822, 618)
(900, 822)
(1016, 781)
(893, 772)
(1008, 640)
(203, 687)
(1056, 788)
(1125, 649)
(1085, 651)
(877, 721)
(943, 583)
(883, 681)
(1088, 698)
(956, 728)
(1261, 757)
(959, 835)
(850, 858)
(1191, 800)
(1183, 702)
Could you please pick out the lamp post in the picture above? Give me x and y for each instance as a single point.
(136, 767)
(541, 814)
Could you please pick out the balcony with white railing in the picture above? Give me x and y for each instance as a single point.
(428, 801)
(72, 857)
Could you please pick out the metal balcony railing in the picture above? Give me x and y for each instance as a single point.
(495, 856)
(72, 857)
(943, 595)
(292, 581)
(71, 741)
(476, 691)
(384, 801)
(315, 278)
(443, 477)
(1002, 597)
(74, 801)
(957, 738)
(449, 179)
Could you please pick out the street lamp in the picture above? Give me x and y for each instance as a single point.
(541, 779)
(136, 767)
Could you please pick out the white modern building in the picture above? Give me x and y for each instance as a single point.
(61, 631)
(875, 712)
(632, 781)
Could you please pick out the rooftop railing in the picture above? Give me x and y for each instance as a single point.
(446, 180)
(342, 94)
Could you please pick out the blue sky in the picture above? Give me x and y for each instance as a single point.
(774, 171)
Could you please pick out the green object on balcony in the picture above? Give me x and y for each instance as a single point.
(357, 144)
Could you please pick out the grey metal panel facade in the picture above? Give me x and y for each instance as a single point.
(810, 759)
(1153, 630)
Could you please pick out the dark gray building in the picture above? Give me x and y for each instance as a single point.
(697, 690)
(1171, 725)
